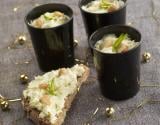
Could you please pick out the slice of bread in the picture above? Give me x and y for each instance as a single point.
(33, 112)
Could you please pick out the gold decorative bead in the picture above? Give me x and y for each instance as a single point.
(86, 123)
(76, 42)
(78, 89)
(9, 47)
(146, 57)
(26, 62)
(80, 61)
(21, 39)
(36, 4)
(4, 105)
(4, 102)
(1, 98)
(130, 23)
(77, 60)
(24, 78)
(15, 9)
(110, 111)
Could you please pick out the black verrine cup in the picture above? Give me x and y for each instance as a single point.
(94, 21)
(53, 46)
(118, 74)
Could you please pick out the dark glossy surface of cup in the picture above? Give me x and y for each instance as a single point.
(94, 21)
(118, 74)
(53, 46)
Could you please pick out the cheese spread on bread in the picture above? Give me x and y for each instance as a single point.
(48, 93)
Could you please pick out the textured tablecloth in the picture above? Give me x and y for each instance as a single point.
(142, 14)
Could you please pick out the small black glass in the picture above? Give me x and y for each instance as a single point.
(53, 46)
(94, 21)
(118, 73)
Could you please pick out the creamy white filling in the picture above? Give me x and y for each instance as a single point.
(48, 20)
(66, 84)
(94, 6)
(105, 44)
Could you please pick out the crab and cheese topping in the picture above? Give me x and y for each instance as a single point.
(108, 44)
(50, 19)
(103, 6)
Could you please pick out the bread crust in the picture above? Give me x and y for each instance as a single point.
(33, 114)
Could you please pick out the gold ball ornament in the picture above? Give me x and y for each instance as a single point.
(36, 4)
(15, 9)
(1, 98)
(24, 78)
(146, 57)
(110, 111)
(75, 43)
(21, 39)
(4, 105)
(78, 61)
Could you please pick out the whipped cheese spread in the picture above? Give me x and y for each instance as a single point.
(50, 19)
(48, 93)
(105, 45)
(103, 6)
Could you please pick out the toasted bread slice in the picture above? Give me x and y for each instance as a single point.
(34, 113)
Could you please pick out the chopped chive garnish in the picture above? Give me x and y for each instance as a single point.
(105, 4)
(47, 16)
(51, 87)
(118, 42)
